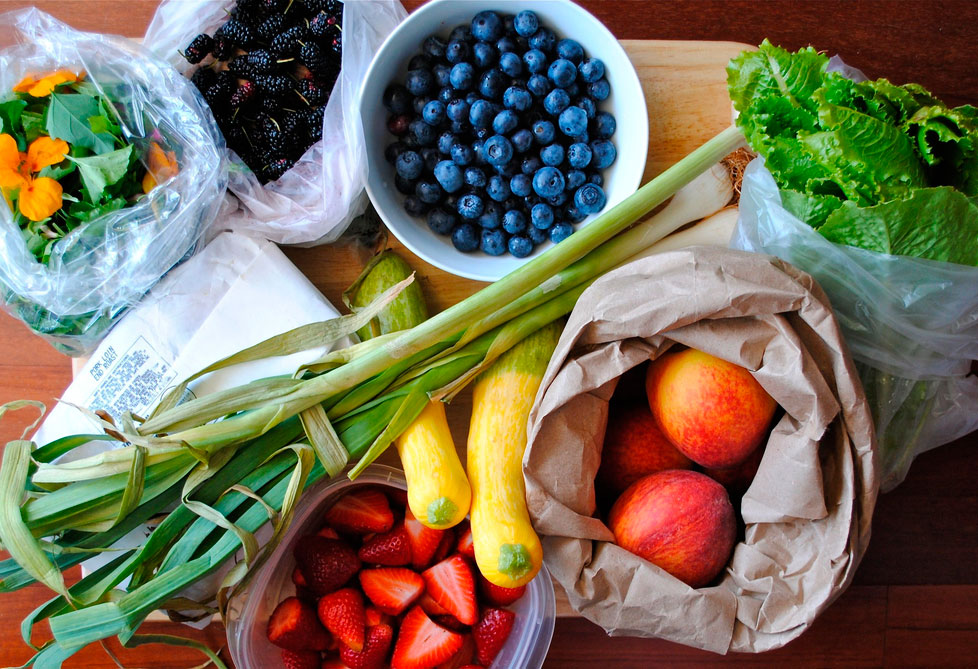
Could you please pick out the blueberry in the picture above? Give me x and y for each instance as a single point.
(511, 44)
(409, 165)
(572, 121)
(599, 90)
(575, 178)
(492, 84)
(484, 55)
(415, 207)
(509, 170)
(505, 122)
(574, 90)
(461, 33)
(526, 23)
(538, 85)
(522, 140)
(491, 216)
(493, 242)
(591, 70)
(589, 199)
(393, 151)
(480, 156)
(498, 150)
(520, 246)
(481, 114)
(530, 165)
(561, 231)
(548, 182)
(465, 237)
(542, 216)
(536, 235)
(535, 60)
(484, 133)
(397, 99)
(433, 47)
(419, 62)
(558, 200)
(543, 39)
(604, 153)
(457, 110)
(573, 214)
(511, 64)
(587, 104)
(487, 26)
(424, 134)
(596, 178)
(418, 103)
(461, 128)
(403, 186)
(474, 177)
(531, 201)
(433, 112)
(457, 51)
(521, 185)
(428, 192)
(604, 125)
(498, 188)
(514, 221)
(445, 141)
(562, 73)
(556, 101)
(579, 155)
(571, 50)
(517, 98)
(441, 221)
(470, 206)
(446, 95)
(419, 82)
(431, 157)
(462, 76)
(451, 203)
(448, 175)
(462, 154)
(543, 132)
(471, 97)
(552, 155)
(441, 74)
(580, 139)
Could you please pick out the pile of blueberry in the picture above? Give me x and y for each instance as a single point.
(500, 140)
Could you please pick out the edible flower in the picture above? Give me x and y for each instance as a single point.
(160, 166)
(40, 85)
(39, 197)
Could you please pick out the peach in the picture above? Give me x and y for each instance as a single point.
(714, 411)
(681, 521)
(633, 447)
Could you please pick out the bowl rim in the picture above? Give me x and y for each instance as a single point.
(472, 265)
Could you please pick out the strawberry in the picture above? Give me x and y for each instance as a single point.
(293, 625)
(497, 595)
(491, 633)
(451, 622)
(464, 657)
(424, 541)
(374, 653)
(326, 564)
(342, 613)
(360, 512)
(374, 616)
(299, 580)
(421, 643)
(391, 589)
(465, 545)
(445, 547)
(431, 607)
(328, 533)
(392, 549)
(333, 663)
(301, 659)
(450, 583)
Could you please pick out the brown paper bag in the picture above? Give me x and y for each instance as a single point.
(809, 508)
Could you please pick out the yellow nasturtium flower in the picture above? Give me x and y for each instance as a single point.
(38, 197)
(40, 85)
(160, 166)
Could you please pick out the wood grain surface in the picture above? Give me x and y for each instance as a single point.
(913, 602)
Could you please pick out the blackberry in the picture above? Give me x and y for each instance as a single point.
(287, 43)
(223, 47)
(336, 45)
(313, 58)
(270, 27)
(270, 133)
(218, 95)
(240, 66)
(237, 32)
(270, 105)
(274, 85)
(323, 26)
(245, 93)
(313, 92)
(275, 169)
(328, 6)
(314, 124)
(271, 6)
(203, 78)
(198, 48)
(262, 61)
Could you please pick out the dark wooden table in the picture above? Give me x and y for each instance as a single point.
(913, 602)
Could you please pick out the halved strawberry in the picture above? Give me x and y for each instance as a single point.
(374, 616)
(491, 633)
(342, 613)
(497, 595)
(431, 607)
(361, 511)
(375, 647)
(465, 545)
(326, 564)
(422, 643)
(445, 546)
(451, 584)
(392, 549)
(301, 659)
(293, 625)
(424, 541)
(464, 657)
(391, 589)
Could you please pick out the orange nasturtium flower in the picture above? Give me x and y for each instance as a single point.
(160, 166)
(40, 85)
(39, 197)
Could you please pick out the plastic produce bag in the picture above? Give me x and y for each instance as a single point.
(316, 200)
(102, 267)
(912, 325)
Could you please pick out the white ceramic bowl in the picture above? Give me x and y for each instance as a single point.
(626, 103)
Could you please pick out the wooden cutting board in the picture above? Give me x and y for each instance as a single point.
(685, 92)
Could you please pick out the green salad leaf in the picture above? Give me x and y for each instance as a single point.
(68, 119)
(100, 172)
